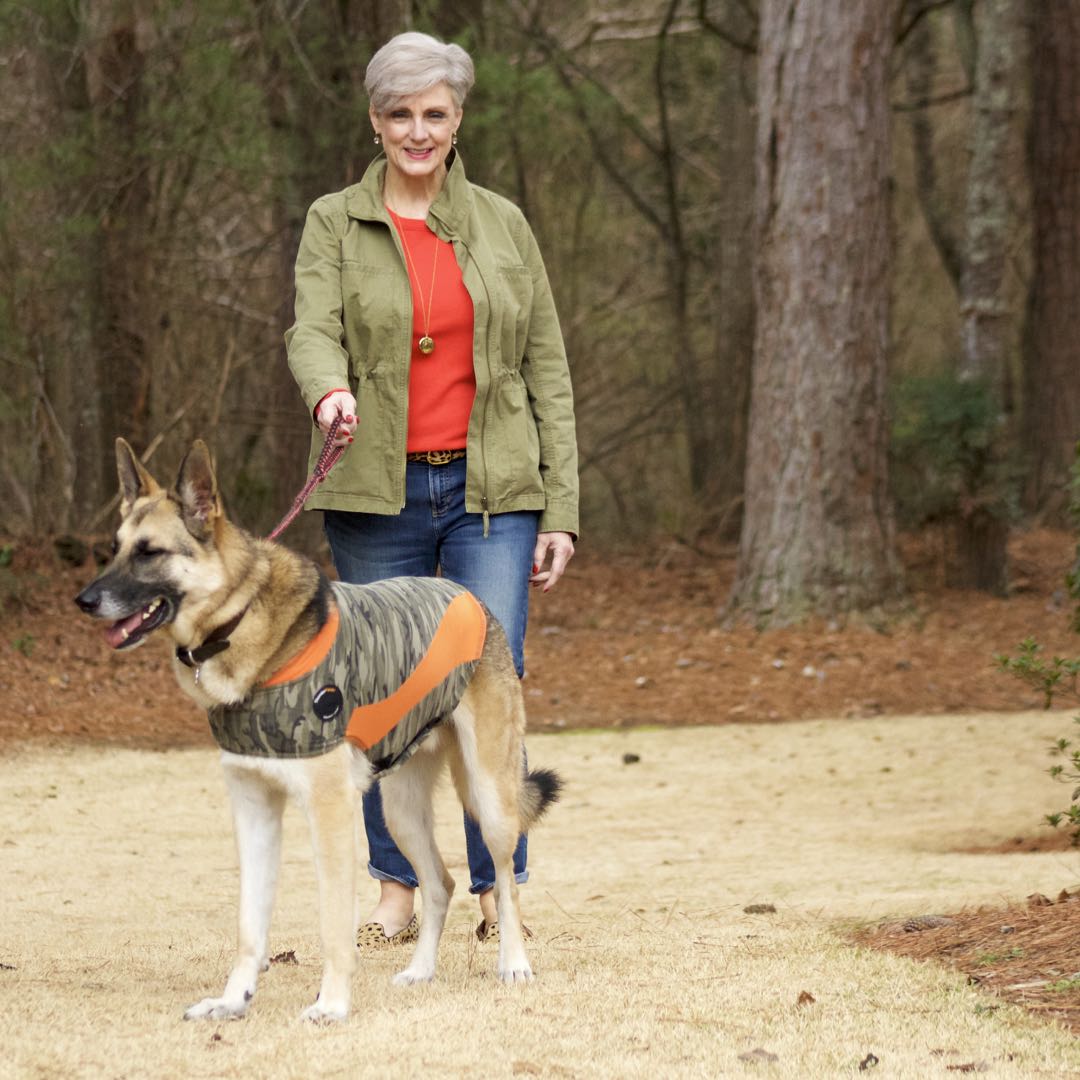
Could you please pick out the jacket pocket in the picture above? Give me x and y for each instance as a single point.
(518, 468)
(515, 309)
(368, 310)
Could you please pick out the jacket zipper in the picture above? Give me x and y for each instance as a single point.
(487, 398)
(404, 417)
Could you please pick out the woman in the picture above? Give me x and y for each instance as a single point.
(425, 322)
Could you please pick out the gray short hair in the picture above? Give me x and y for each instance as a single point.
(412, 63)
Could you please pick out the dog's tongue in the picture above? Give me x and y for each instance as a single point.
(115, 634)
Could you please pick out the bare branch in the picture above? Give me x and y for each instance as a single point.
(749, 47)
(917, 16)
(929, 102)
(305, 63)
(105, 509)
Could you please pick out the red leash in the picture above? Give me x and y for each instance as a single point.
(328, 458)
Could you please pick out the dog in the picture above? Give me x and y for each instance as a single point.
(252, 621)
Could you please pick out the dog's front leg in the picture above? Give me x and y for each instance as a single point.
(257, 810)
(331, 810)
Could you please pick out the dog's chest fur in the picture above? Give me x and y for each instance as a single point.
(404, 652)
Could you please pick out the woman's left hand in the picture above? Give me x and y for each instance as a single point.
(560, 546)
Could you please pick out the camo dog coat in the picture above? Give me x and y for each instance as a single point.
(389, 665)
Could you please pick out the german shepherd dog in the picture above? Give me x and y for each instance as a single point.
(242, 607)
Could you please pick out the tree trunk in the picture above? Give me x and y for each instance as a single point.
(978, 561)
(732, 299)
(818, 533)
(1052, 398)
(114, 72)
(987, 320)
(940, 217)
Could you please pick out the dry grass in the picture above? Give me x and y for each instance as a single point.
(118, 889)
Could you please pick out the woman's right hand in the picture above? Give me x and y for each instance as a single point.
(339, 403)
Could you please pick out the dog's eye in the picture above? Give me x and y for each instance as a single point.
(115, 545)
(143, 550)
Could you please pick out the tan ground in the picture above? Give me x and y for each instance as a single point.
(118, 888)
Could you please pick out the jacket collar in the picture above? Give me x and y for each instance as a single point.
(450, 210)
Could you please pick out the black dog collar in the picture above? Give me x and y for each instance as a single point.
(217, 642)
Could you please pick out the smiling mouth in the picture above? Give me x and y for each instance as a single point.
(127, 632)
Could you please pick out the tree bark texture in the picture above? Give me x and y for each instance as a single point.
(818, 534)
(987, 320)
(1052, 391)
(920, 69)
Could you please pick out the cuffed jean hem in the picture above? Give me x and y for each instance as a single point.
(476, 890)
(379, 875)
(410, 882)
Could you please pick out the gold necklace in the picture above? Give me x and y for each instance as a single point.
(427, 342)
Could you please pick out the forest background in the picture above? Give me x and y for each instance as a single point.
(816, 264)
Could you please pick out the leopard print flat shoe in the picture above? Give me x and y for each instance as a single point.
(490, 931)
(372, 935)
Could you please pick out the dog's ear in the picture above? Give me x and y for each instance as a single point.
(135, 481)
(196, 487)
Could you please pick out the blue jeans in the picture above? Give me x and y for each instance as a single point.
(435, 532)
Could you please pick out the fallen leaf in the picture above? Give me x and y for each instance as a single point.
(284, 958)
(759, 909)
(805, 998)
(868, 1062)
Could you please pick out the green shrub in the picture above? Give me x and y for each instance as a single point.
(950, 454)
(1055, 676)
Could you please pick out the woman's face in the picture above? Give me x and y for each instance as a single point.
(418, 132)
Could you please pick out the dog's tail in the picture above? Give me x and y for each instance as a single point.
(541, 788)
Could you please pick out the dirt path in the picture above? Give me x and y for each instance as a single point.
(118, 889)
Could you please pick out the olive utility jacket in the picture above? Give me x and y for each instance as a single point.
(354, 328)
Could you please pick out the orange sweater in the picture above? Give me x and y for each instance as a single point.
(442, 385)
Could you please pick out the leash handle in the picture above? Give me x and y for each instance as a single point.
(328, 458)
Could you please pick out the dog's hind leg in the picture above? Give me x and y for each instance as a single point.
(407, 796)
(330, 804)
(488, 778)
(499, 830)
(257, 809)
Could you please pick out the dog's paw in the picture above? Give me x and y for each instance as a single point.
(413, 976)
(218, 1009)
(516, 975)
(320, 1013)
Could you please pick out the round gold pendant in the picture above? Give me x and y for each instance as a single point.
(427, 345)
